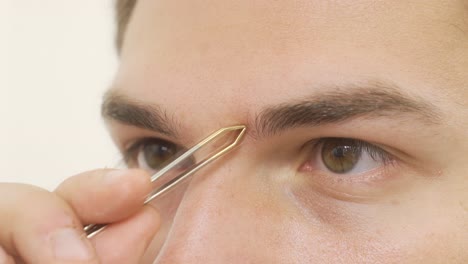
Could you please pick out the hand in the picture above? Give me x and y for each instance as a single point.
(38, 226)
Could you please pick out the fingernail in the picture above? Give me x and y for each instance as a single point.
(70, 245)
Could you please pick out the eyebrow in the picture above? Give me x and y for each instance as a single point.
(337, 105)
(375, 100)
(121, 108)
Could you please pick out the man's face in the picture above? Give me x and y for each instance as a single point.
(357, 116)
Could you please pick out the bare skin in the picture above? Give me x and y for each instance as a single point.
(210, 64)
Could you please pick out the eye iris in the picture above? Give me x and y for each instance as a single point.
(340, 155)
(158, 153)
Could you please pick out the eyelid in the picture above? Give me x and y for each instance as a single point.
(316, 144)
(314, 153)
(129, 153)
(355, 187)
(375, 152)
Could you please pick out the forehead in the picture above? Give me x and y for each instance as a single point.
(235, 56)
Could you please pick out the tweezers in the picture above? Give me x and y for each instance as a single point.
(94, 229)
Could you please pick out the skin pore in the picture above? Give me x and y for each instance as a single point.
(391, 74)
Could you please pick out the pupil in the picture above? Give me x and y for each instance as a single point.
(340, 155)
(339, 152)
(158, 154)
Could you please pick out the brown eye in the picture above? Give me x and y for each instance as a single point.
(340, 155)
(152, 154)
(156, 153)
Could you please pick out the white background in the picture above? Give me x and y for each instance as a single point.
(57, 58)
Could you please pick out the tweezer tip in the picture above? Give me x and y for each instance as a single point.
(239, 137)
(237, 127)
(241, 134)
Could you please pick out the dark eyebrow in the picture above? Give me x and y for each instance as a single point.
(121, 108)
(341, 104)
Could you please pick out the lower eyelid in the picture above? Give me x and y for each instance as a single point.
(370, 185)
(344, 190)
(371, 175)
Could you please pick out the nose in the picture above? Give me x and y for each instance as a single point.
(229, 214)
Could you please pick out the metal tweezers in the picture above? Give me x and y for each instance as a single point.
(94, 229)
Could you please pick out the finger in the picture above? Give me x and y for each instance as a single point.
(138, 231)
(5, 258)
(106, 196)
(39, 227)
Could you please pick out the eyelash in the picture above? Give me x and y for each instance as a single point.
(357, 181)
(130, 154)
(375, 152)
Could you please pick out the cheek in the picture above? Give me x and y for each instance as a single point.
(167, 205)
(419, 227)
(390, 240)
(227, 215)
(418, 231)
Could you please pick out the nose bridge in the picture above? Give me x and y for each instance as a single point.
(219, 214)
